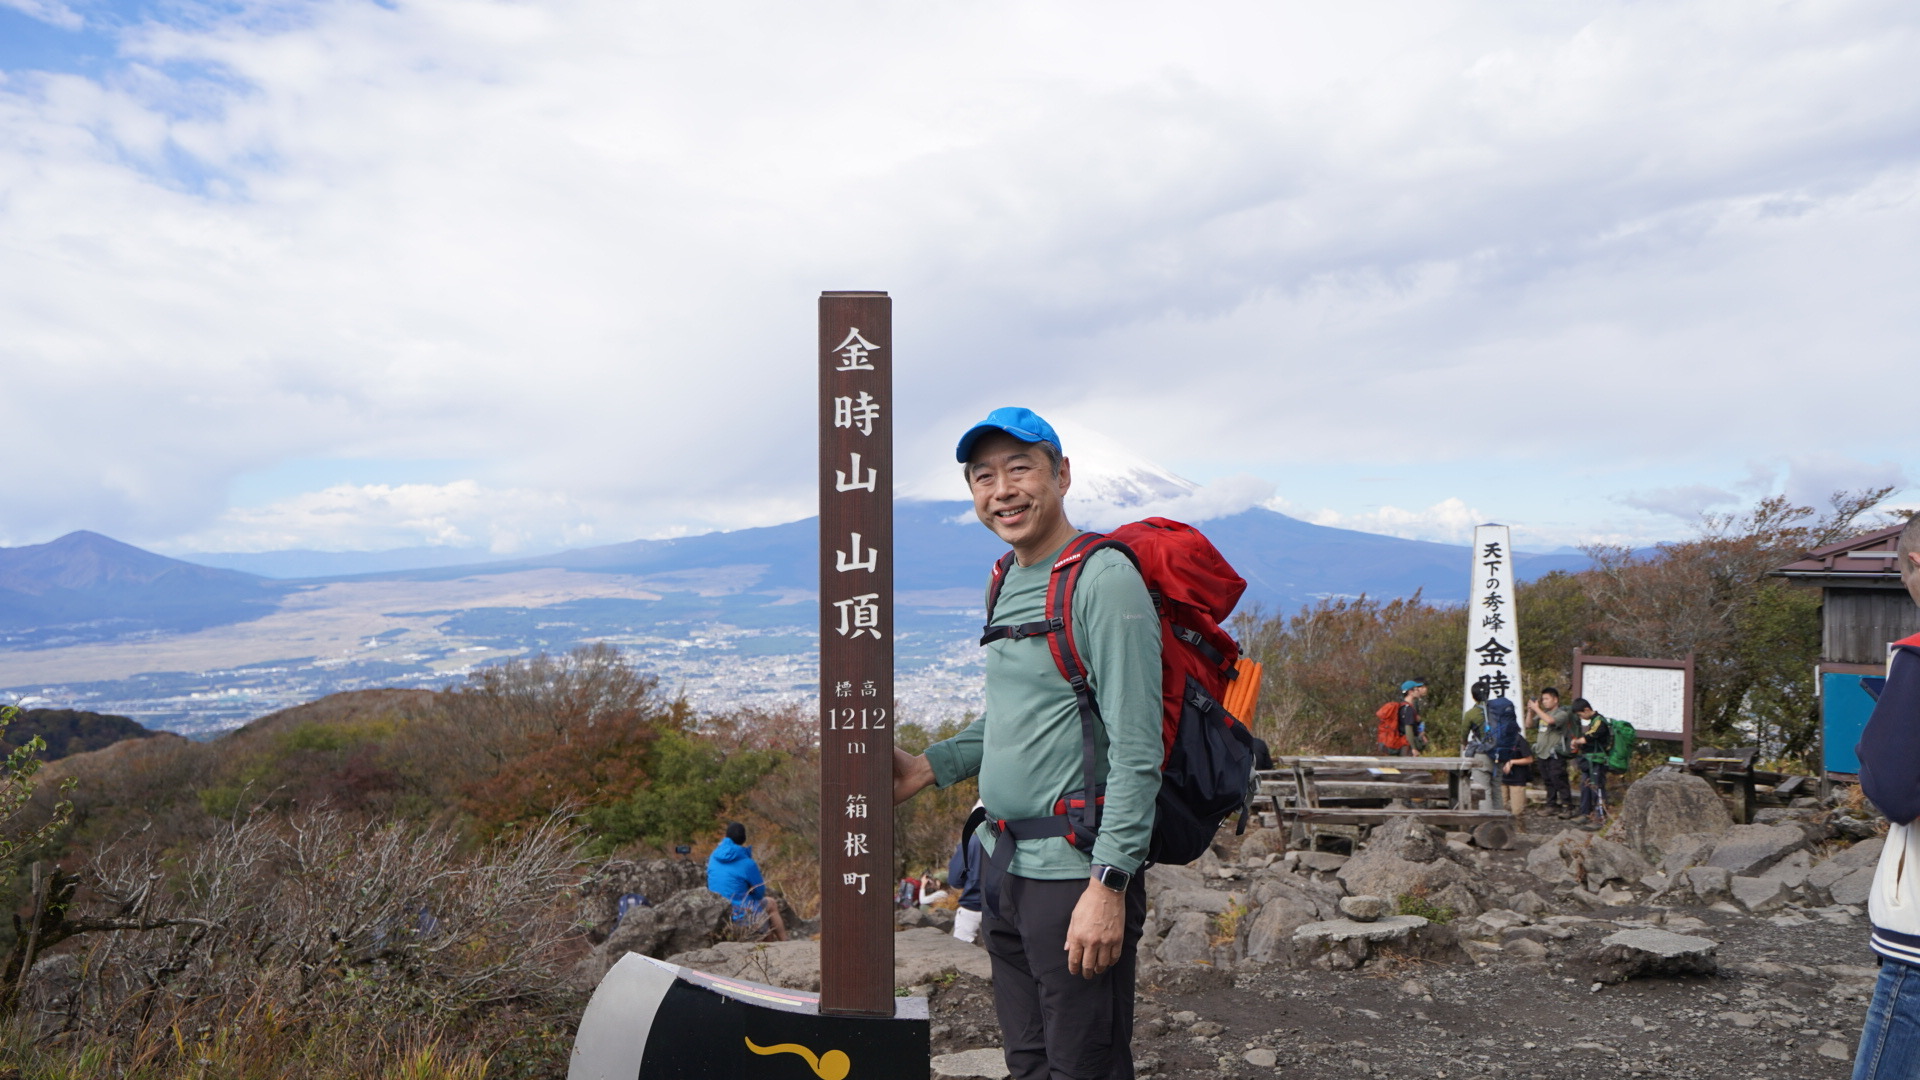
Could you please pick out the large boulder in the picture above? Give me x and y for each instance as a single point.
(1284, 910)
(1686, 850)
(659, 880)
(1165, 879)
(1403, 857)
(691, 919)
(1665, 805)
(1188, 941)
(1581, 858)
(1847, 877)
(1758, 894)
(1750, 850)
(1791, 872)
(1643, 953)
(1343, 944)
(1175, 901)
(1407, 838)
(1259, 843)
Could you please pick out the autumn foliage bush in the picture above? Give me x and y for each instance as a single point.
(1754, 638)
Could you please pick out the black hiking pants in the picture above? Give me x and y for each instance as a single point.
(1553, 770)
(1054, 1024)
(1593, 793)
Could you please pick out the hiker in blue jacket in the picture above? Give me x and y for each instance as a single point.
(732, 873)
(963, 874)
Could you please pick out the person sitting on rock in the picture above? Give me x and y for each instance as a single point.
(732, 873)
(1889, 754)
(963, 873)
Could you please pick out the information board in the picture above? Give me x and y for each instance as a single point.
(1655, 696)
(1653, 700)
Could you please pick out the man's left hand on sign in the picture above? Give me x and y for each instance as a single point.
(1094, 935)
(911, 773)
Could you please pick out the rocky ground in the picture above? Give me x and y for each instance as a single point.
(1673, 943)
(1523, 986)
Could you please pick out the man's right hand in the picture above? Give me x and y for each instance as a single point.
(911, 773)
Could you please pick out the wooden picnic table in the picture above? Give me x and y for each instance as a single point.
(1352, 790)
(1734, 768)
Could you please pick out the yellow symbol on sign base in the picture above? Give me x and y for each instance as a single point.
(832, 1065)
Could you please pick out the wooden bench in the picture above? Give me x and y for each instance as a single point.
(1353, 790)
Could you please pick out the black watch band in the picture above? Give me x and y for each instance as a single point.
(1112, 877)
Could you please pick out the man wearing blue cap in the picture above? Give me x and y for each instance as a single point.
(1061, 925)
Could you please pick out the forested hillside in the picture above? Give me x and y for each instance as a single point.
(69, 731)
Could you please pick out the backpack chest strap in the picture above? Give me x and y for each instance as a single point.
(1021, 630)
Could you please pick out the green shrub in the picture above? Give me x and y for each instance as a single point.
(1411, 904)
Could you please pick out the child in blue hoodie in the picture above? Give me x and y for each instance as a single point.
(1889, 753)
(732, 873)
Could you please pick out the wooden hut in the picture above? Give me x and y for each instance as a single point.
(1863, 609)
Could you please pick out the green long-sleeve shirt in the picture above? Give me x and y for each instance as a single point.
(1026, 747)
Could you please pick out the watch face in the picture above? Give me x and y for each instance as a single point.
(1115, 878)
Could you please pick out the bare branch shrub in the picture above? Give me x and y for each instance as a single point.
(313, 915)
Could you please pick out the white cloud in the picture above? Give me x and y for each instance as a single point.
(1813, 479)
(1686, 502)
(52, 12)
(1448, 521)
(461, 514)
(579, 242)
(1221, 498)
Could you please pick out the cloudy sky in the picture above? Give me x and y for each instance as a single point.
(352, 275)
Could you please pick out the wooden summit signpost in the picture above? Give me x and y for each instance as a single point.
(856, 653)
(651, 1020)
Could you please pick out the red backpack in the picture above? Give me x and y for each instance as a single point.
(1389, 736)
(1207, 769)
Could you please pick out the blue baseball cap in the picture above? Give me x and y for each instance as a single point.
(1410, 684)
(1023, 424)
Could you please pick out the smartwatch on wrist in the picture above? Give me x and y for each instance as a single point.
(1112, 877)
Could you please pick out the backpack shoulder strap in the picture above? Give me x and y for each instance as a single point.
(995, 581)
(1060, 590)
(1066, 653)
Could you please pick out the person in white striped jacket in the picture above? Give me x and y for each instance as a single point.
(1889, 753)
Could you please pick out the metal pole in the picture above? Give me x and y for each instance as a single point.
(856, 654)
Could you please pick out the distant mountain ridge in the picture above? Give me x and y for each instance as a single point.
(308, 563)
(85, 586)
(938, 547)
(89, 587)
(729, 618)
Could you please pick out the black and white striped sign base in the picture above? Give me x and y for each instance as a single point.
(650, 1020)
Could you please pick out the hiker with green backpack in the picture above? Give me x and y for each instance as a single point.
(1605, 746)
